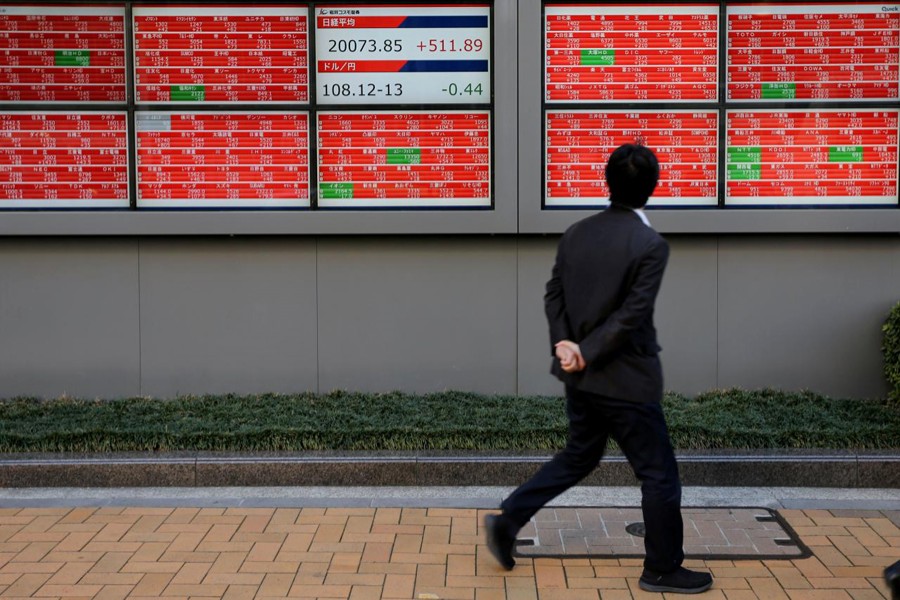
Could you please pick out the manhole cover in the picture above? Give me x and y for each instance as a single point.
(709, 533)
(637, 529)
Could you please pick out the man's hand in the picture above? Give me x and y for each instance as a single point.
(569, 355)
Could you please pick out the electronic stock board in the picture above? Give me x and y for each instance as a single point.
(221, 54)
(835, 55)
(66, 160)
(408, 159)
(778, 54)
(438, 54)
(245, 56)
(55, 54)
(225, 113)
(365, 56)
(579, 142)
(368, 105)
(813, 52)
(812, 157)
(608, 54)
(62, 54)
(385, 56)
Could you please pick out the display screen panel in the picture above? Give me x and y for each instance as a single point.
(579, 142)
(63, 160)
(813, 52)
(412, 159)
(222, 159)
(221, 54)
(616, 53)
(403, 54)
(70, 53)
(823, 157)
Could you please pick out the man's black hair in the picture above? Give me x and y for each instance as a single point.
(632, 173)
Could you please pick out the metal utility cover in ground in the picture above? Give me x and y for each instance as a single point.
(709, 533)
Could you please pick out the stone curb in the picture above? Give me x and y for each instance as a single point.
(808, 468)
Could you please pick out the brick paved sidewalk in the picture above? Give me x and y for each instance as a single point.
(397, 553)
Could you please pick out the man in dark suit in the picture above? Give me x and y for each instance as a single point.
(599, 304)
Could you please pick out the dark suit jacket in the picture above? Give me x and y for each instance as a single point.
(608, 271)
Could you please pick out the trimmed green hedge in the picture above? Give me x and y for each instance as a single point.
(445, 421)
(891, 350)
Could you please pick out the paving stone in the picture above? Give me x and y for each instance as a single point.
(366, 552)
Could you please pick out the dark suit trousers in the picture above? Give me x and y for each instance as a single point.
(640, 430)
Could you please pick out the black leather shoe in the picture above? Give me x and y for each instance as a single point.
(679, 581)
(499, 541)
(892, 577)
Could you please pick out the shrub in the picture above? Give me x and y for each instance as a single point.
(891, 350)
(446, 421)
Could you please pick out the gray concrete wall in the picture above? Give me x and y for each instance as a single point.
(109, 317)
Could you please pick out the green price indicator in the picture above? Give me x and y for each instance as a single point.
(334, 191)
(187, 93)
(404, 156)
(598, 57)
(845, 154)
(744, 171)
(779, 91)
(741, 154)
(72, 58)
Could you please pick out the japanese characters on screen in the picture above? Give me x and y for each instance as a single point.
(601, 57)
(190, 61)
(389, 105)
(385, 56)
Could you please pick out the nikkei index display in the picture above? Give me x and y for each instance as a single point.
(408, 88)
(403, 54)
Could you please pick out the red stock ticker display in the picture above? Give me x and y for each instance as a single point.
(793, 157)
(579, 143)
(221, 54)
(216, 159)
(63, 160)
(820, 52)
(62, 53)
(411, 159)
(626, 53)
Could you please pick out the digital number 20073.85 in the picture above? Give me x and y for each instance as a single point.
(346, 90)
(363, 45)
